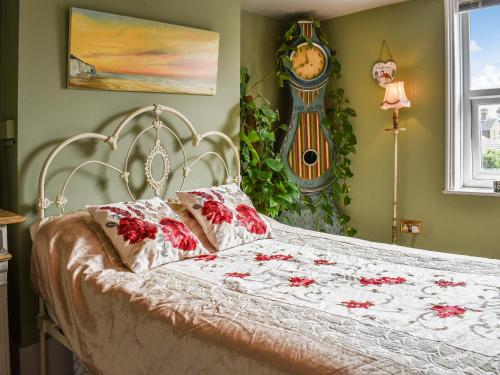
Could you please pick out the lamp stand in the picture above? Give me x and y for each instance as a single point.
(395, 130)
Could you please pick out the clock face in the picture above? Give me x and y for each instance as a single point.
(308, 62)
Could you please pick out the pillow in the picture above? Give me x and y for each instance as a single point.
(226, 215)
(195, 227)
(146, 233)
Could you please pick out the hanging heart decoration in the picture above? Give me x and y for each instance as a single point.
(384, 72)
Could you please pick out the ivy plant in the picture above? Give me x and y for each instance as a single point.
(337, 121)
(263, 177)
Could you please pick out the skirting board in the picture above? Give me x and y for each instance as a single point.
(26, 360)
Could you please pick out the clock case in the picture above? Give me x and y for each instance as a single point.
(308, 111)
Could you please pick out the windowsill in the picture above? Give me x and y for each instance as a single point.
(484, 192)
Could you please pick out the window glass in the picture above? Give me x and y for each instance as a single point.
(489, 124)
(484, 45)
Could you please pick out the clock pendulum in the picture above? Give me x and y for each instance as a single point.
(308, 148)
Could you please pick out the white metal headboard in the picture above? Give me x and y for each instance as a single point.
(156, 185)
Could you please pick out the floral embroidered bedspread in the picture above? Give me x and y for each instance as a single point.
(431, 312)
(306, 302)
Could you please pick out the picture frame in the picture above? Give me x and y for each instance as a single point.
(120, 53)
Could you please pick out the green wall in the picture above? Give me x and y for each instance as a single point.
(260, 38)
(49, 112)
(415, 33)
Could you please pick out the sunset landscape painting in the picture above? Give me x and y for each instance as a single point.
(112, 52)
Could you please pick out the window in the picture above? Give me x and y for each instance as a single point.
(473, 95)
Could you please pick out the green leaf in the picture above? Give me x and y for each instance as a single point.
(274, 164)
(244, 137)
(347, 200)
(267, 136)
(266, 176)
(244, 79)
(255, 156)
(272, 203)
(336, 170)
(245, 153)
(282, 77)
(269, 113)
(336, 66)
(287, 63)
(351, 232)
(328, 209)
(253, 136)
(351, 112)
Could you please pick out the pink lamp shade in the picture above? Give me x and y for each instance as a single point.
(395, 96)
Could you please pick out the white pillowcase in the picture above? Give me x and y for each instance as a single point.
(146, 233)
(226, 215)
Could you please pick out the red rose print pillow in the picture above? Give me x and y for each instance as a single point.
(226, 215)
(146, 233)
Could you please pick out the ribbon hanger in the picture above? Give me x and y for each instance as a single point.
(384, 44)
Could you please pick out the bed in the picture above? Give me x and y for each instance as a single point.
(302, 302)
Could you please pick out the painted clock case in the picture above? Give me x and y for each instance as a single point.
(308, 148)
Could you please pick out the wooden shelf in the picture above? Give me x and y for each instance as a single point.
(5, 257)
(7, 217)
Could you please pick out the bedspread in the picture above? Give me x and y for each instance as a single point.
(303, 302)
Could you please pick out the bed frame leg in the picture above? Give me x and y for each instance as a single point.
(43, 365)
(41, 327)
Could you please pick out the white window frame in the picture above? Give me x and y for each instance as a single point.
(463, 167)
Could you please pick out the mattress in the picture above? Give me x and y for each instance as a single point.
(303, 302)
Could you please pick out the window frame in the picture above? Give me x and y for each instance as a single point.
(463, 160)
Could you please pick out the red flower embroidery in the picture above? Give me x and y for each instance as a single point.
(237, 274)
(136, 230)
(326, 262)
(445, 311)
(203, 195)
(382, 280)
(301, 281)
(357, 305)
(218, 195)
(250, 219)
(206, 257)
(445, 284)
(262, 257)
(116, 211)
(136, 211)
(216, 212)
(178, 234)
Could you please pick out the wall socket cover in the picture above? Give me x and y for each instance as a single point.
(410, 226)
(496, 186)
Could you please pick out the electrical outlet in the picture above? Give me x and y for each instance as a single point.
(411, 226)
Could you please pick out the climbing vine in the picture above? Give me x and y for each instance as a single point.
(337, 121)
(263, 176)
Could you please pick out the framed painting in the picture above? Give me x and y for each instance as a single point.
(112, 52)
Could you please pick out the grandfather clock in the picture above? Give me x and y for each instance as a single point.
(307, 148)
